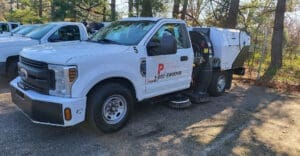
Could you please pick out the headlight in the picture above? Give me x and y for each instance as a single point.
(65, 77)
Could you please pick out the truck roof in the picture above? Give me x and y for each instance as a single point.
(151, 19)
(66, 23)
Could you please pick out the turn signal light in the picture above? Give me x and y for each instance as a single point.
(68, 114)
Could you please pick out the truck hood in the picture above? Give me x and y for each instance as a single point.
(11, 46)
(15, 38)
(5, 34)
(66, 53)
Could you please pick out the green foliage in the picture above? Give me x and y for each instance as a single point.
(24, 16)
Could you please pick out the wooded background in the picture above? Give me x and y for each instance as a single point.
(273, 25)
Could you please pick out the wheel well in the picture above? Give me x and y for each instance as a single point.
(119, 80)
(11, 59)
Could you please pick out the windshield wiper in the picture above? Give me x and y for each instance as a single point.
(105, 40)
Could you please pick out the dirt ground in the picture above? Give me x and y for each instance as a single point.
(247, 120)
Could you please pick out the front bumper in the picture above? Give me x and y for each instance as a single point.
(45, 109)
(2, 68)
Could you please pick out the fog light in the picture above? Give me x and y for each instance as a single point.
(68, 114)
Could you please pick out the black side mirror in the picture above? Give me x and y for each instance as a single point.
(167, 45)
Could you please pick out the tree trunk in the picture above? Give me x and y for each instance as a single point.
(277, 42)
(137, 7)
(130, 8)
(277, 38)
(176, 8)
(232, 16)
(184, 9)
(147, 8)
(113, 10)
(104, 12)
(40, 8)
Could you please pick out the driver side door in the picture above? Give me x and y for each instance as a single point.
(171, 72)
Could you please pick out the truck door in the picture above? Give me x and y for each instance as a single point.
(168, 73)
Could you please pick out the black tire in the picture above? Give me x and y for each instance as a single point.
(12, 70)
(105, 96)
(217, 87)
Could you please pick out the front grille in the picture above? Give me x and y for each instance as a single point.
(38, 77)
(32, 63)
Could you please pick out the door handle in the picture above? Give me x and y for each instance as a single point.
(184, 58)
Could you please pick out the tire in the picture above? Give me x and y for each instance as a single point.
(12, 70)
(218, 84)
(109, 107)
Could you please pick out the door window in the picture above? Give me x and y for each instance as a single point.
(67, 33)
(13, 26)
(177, 30)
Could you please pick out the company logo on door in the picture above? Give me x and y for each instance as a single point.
(160, 75)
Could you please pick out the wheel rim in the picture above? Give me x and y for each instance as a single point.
(114, 109)
(221, 83)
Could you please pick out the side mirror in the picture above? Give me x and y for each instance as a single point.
(166, 46)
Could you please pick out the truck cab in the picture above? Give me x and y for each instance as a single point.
(7, 27)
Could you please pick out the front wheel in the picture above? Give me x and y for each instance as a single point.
(109, 107)
(218, 84)
(12, 70)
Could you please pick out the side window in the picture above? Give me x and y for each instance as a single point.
(13, 26)
(178, 31)
(4, 27)
(66, 33)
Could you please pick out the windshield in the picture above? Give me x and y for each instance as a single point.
(123, 32)
(4, 27)
(40, 31)
(27, 29)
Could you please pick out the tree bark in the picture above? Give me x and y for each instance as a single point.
(277, 38)
(232, 16)
(147, 8)
(184, 9)
(176, 8)
(113, 10)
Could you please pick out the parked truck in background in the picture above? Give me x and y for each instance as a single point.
(7, 27)
(131, 60)
(43, 34)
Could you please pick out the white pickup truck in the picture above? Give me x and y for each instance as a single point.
(131, 60)
(7, 27)
(43, 34)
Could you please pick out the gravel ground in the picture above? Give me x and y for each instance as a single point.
(247, 120)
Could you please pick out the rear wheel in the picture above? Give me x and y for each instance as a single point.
(109, 107)
(218, 84)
